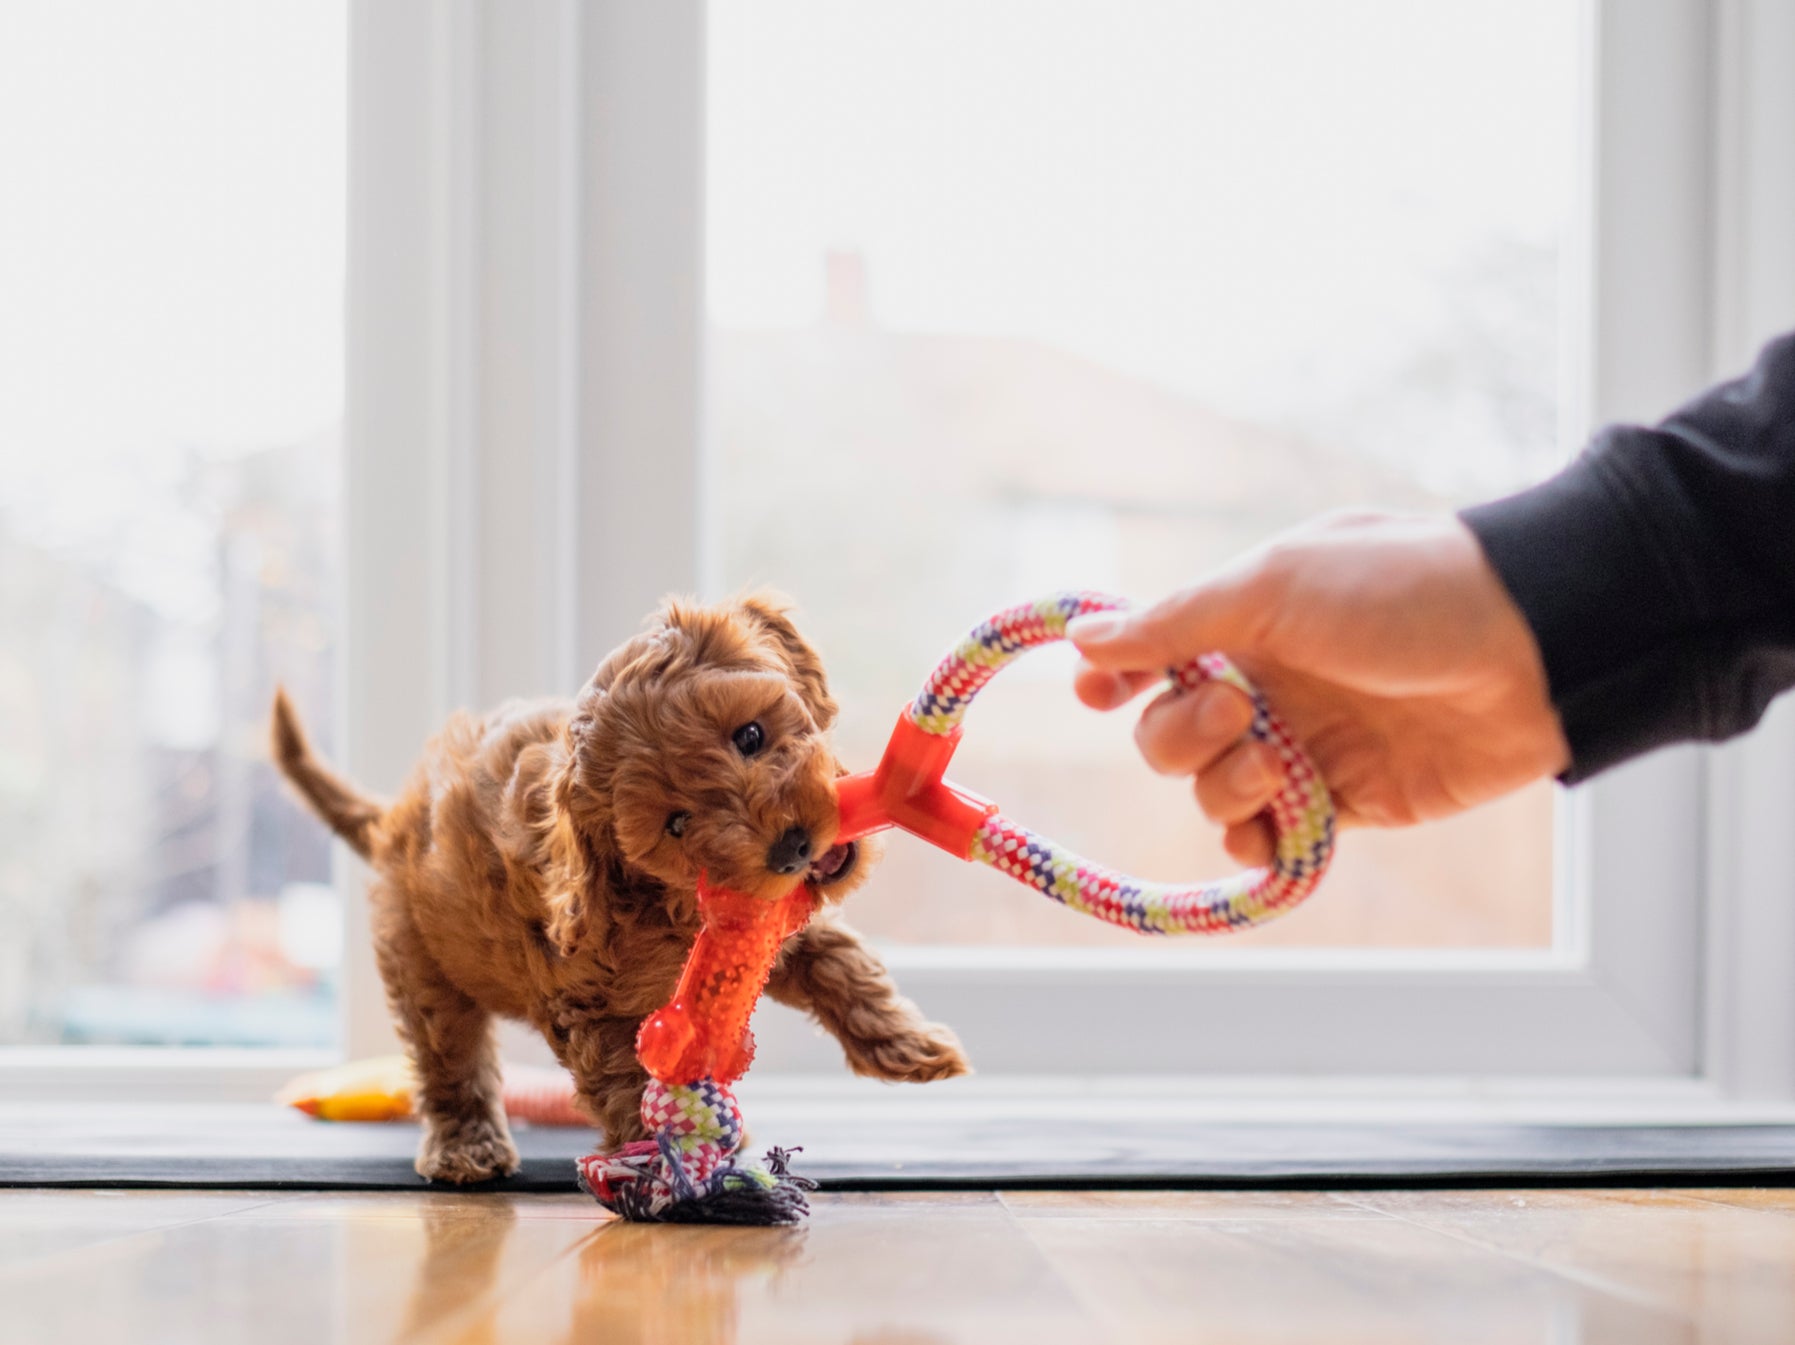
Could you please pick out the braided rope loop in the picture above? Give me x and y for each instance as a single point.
(692, 1171)
(1302, 813)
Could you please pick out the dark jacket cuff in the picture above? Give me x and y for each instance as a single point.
(1658, 570)
(1604, 602)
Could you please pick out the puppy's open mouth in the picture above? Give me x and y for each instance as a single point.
(833, 865)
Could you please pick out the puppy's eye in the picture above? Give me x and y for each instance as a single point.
(676, 824)
(748, 739)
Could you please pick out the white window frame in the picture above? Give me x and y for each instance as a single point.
(525, 477)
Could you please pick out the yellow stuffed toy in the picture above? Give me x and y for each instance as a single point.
(380, 1089)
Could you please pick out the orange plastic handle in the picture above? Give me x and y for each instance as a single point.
(907, 790)
(703, 1030)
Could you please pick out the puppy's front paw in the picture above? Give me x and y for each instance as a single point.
(465, 1153)
(921, 1054)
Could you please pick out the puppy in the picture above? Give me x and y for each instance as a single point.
(542, 862)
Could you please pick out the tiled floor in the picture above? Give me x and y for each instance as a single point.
(1554, 1267)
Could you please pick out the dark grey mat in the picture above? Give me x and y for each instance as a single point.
(268, 1147)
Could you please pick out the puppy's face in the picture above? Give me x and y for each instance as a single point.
(702, 747)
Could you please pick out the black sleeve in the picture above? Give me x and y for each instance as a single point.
(1658, 570)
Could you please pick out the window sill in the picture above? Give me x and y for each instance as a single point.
(782, 1102)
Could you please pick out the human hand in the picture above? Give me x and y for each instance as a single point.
(1385, 642)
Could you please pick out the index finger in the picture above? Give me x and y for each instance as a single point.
(1217, 614)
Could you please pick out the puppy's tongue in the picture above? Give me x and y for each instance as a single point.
(831, 862)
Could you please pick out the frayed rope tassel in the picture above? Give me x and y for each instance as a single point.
(689, 1173)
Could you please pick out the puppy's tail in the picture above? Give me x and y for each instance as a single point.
(345, 809)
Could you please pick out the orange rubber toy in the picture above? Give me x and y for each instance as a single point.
(703, 1029)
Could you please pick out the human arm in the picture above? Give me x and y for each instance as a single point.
(1657, 572)
(1643, 596)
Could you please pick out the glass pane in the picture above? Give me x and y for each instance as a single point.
(1012, 297)
(171, 253)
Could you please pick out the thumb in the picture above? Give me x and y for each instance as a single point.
(1209, 616)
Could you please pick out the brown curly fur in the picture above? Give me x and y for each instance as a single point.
(526, 871)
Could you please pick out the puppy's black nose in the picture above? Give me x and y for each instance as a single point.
(790, 852)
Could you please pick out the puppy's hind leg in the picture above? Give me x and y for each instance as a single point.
(454, 1057)
(828, 971)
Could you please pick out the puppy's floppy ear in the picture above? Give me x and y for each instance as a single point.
(579, 821)
(767, 612)
(571, 900)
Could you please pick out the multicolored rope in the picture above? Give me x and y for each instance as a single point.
(1302, 813)
(689, 1172)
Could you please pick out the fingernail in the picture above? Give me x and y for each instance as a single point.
(1216, 717)
(1250, 774)
(1096, 627)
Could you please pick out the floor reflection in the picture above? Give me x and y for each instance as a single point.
(1541, 1267)
(459, 1269)
(656, 1284)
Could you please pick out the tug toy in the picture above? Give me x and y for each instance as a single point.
(699, 1043)
(693, 1048)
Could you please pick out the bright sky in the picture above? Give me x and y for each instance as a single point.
(1263, 204)
(171, 256)
(1269, 205)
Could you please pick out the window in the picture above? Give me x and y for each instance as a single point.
(1101, 305)
(626, 314)
(170, 499)
(544, 438)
